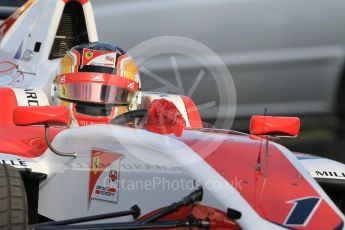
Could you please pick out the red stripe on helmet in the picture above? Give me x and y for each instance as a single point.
(82, 77)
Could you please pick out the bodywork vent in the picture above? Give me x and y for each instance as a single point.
(71, 31)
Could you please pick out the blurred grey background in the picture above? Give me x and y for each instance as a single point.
(286, 56)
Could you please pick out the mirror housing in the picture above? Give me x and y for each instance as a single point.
(47, 116)
(275, 126)
(41, 115)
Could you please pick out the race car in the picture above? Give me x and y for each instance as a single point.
(115, 176)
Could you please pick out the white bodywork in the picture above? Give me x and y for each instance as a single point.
(323, 168)
(152, 166)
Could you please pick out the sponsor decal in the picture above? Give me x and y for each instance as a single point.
(31, 97)
(113, 175)
(95, 164)
(97, 78)
(63, 79)
(329, 174)
(131, 85)
(125, 167)
(104, 175)
(18, 54)
(99, 58)
(109, 58)
(17, 163)
(83, 122)
(302, 211)
(89, 54)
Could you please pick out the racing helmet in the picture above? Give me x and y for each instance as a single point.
(97, 81)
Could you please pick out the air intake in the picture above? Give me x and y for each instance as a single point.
(71, 31)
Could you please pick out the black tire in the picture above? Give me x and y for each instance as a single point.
(13, 213)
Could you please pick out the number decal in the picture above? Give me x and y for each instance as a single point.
(302, 211)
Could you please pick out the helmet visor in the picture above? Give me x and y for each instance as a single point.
(96, 88)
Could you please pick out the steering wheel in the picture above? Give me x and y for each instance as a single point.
(129, 117)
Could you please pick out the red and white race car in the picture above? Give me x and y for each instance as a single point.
(120, 177)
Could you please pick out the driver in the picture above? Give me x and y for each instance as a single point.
(99, 81)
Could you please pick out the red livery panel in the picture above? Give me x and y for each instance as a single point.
(284, 196)
(26, 141)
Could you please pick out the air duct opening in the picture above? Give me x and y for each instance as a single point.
(71, 31)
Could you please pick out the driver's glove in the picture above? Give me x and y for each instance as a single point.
(164, 117)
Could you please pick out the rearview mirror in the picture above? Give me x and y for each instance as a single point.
(275, 126)
(44, 115)
(41, 115)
